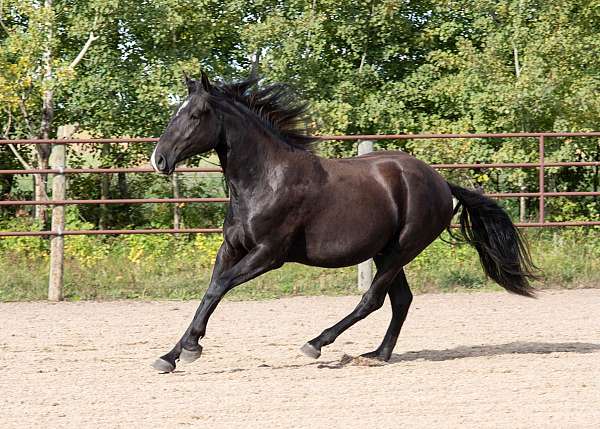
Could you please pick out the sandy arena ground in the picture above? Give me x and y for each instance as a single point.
(463, 360)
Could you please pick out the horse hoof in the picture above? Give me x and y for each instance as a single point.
(163, 366)
(311, 351)
(376, 355)
(189, 356)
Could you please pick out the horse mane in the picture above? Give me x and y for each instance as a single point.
(277, 106)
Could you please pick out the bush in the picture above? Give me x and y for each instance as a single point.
(179, 267)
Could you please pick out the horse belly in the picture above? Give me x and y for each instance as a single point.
(346, 236)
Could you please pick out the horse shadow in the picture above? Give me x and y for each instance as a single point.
(460, 352)
(516, 347)
(463, 352)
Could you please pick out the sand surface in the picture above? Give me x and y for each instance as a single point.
(463, 360)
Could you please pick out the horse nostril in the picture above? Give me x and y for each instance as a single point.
(161, 162)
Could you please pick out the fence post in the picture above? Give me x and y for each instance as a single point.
(57, 243)
(176, 209)
(522, 205)
(365, 269)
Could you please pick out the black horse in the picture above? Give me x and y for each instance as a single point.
(289, 205)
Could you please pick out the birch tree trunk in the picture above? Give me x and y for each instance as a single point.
(104, 191)
(43, 150)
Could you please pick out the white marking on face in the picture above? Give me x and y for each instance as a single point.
(153, 159)
(185, 103)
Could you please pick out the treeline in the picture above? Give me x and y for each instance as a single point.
(367, 67)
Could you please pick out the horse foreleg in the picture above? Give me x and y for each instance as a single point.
(256, 262)
(225, 259)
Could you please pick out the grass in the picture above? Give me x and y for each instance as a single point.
(152, 268)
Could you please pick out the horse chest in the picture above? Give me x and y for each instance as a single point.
(261, 218)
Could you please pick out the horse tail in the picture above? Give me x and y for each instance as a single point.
(502, 251)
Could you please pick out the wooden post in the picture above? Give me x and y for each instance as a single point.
(176, 209)
(365, 269)
(522, 206)
(57, 243)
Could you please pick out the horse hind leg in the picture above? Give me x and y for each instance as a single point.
(371, 301)
(410, 243)
(400, 300)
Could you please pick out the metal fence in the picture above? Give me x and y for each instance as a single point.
(58, 200)
(541, 194)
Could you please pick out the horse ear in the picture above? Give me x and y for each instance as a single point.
(191, 85)
(205, 82)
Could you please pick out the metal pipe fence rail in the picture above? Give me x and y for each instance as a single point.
(541, 194)
(59, 170)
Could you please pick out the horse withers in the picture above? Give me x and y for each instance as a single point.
(289, 205)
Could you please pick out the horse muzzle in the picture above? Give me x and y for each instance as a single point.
(161, 163)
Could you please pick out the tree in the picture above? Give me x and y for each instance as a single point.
(66, 61)
(519, 65)
(366, 67)
(34, 66)
(341, 54)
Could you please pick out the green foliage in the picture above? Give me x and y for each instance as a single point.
(366, 67)
(178, 267)
(22, 247)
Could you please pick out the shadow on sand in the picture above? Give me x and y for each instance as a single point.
(518, 347)
(461, 352)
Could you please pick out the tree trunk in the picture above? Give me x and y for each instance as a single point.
(363, 59)
(104, 191)
(122, 185)
(6, 184)
(44, 150)
(43, 161)
(522, 204)
(596, 169)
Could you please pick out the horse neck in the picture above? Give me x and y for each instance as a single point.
(248, 151)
